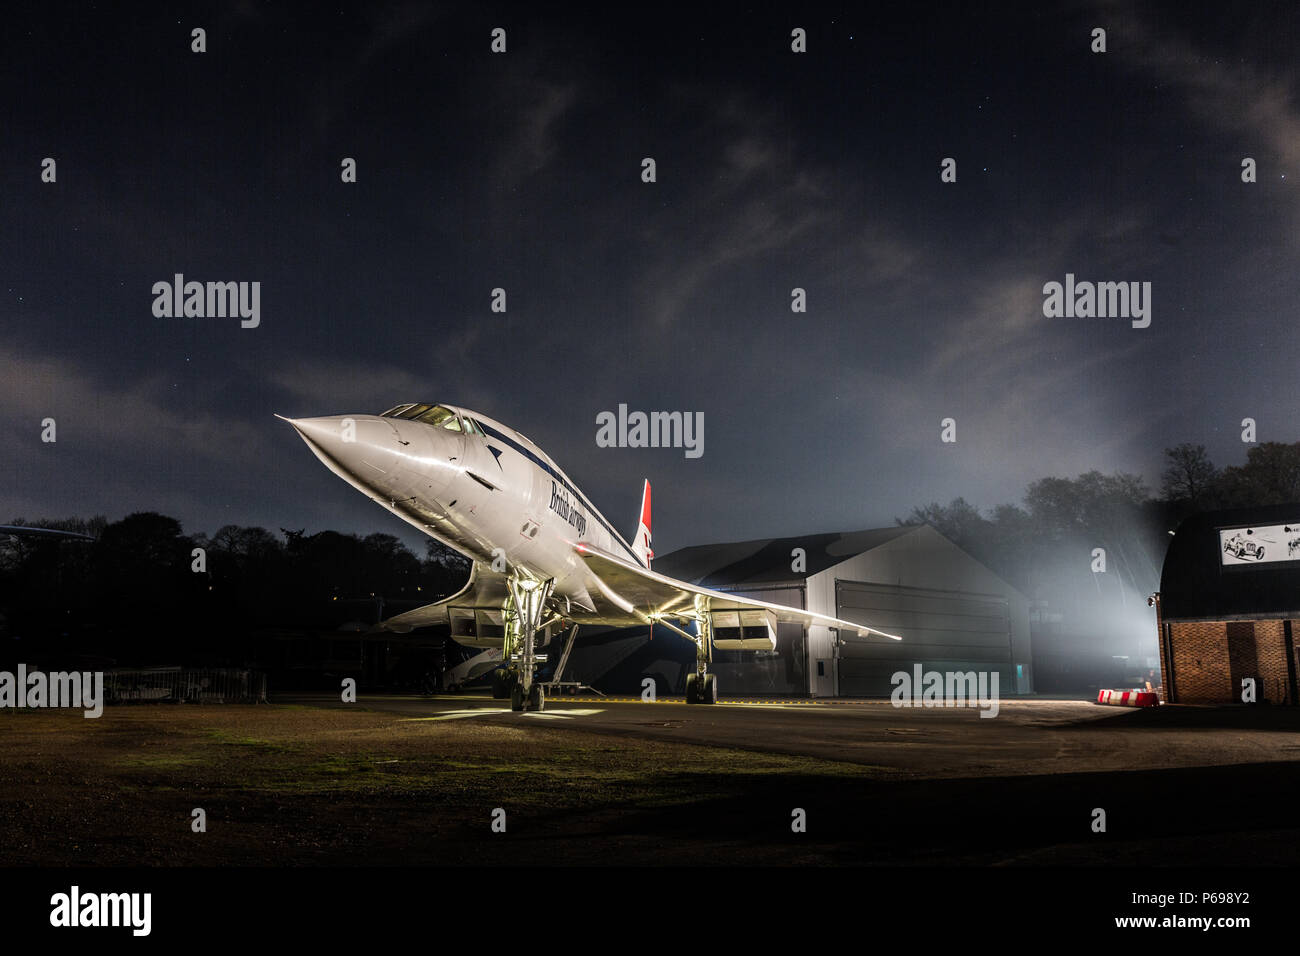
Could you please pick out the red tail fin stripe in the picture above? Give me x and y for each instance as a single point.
(645, 505)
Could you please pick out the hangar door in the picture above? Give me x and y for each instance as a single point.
(777, 672)
(941, 630)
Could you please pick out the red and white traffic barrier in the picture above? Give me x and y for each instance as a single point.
(1128, 698)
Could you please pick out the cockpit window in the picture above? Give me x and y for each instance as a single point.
(413, 412)
(440, 417)
(472, 427)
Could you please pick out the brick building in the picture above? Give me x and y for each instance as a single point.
(1229, 596)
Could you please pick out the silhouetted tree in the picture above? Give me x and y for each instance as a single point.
(959, 521)
(1189, 477)
(1270, 476)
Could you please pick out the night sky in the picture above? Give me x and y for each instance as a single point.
(523, 171)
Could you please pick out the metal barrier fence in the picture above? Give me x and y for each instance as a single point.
(199, 685)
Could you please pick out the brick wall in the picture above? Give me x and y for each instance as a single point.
(1210, 658)
(1200, 663)
(1270, 653)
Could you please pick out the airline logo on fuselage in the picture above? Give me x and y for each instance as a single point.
(566, 509)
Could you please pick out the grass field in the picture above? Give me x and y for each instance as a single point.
(285, 784)
(315, 786)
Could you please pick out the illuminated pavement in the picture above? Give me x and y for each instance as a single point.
(1026, 737)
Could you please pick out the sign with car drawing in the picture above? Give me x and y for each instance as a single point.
(1265, 544)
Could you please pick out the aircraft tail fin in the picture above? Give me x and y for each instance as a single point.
(641, 543)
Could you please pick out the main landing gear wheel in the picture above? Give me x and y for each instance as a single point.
(537, 698)
(701, 689)
(517, 697)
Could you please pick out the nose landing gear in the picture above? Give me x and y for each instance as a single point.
(524, 614)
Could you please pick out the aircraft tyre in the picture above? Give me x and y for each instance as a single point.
(500, 691)
(537, 698)
(517, 697)
(692, 688)
(710, 689)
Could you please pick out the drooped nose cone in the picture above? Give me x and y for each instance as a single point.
(379, 456)
(362, 449)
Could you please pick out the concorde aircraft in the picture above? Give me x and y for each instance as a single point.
(542, 555)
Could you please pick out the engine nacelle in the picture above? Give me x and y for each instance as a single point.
(744, 630)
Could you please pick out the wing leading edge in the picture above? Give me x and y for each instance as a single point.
(485, 589)
(643, 595)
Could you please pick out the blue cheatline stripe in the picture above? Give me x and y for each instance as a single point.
(527, 453)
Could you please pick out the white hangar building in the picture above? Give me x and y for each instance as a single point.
(953, 613)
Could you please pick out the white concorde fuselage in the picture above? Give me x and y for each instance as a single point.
(476, 485)
(485, 490)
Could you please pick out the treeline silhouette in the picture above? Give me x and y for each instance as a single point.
(144, 592)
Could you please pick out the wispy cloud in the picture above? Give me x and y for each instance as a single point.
(753, 199)
(142, 415)
(1227, 93)
(540, 106)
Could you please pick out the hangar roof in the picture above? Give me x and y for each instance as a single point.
(1207, 577)
(768, 559)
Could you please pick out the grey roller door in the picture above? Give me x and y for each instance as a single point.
(941, 630)
(776, 673)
